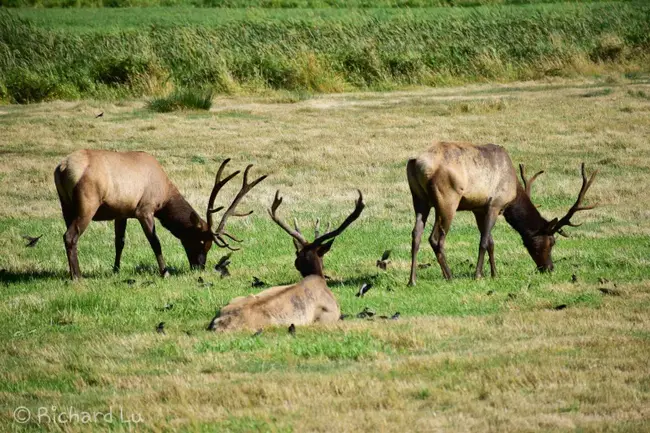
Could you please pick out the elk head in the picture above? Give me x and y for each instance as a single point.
(198, 246)
(541, 242)
(309, 255)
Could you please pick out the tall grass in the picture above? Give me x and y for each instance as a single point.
(271, 4)
(320, 53)
(186, 99)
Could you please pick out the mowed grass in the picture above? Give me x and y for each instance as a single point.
(465, 355)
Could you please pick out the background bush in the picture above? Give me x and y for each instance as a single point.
(59, 56)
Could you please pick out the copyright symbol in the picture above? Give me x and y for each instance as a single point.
(22, 415)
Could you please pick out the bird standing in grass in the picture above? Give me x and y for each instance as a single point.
(365, 287)
(383, 262)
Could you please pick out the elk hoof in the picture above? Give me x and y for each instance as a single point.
(165, 273)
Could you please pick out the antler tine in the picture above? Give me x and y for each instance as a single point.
(317, 228)
(295, 225)
(349, 220)
(566, 220)
(528, 182)
(218, 184)
(246, 187)
(296, 235)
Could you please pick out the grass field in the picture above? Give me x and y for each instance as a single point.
(72, 54)
(271, 4)
(466, 355)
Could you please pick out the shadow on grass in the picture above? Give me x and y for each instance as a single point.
(8, 277)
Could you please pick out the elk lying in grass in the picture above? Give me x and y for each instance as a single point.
(309, 301)
(480, 178)
(103, 185)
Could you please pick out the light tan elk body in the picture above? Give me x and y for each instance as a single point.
(104, 185)
(454, 176)
(303, 303)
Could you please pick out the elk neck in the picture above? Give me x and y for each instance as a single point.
(523, 216)
(175, 216)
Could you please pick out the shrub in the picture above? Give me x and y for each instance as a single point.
(188, 99)
(25, 86)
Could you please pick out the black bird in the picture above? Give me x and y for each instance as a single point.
(257, 282)
(99, 115)
(204, 283)
(167, 307)
(383, 262)
(130, 281)
(160, 328)
(574, 278)
(31, 241)
(292, 329)
(222, 265)
(560, 307)
(258, 332)
(395, 316)
(490, 292)
(611, 292)
(367, 312)
(365, 287)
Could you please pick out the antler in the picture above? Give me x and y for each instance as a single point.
(349, 220)
(220, 232)
(528, 182)
(566, 220)
(299, 239)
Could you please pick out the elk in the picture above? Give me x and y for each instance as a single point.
(454, 176)
(104, 185)
(303, 303)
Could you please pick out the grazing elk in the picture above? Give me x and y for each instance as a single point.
(104, 185)
(306, 302)
(480, 178)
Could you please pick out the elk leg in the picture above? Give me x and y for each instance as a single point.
(437, 238)
(485, 221)
(421, 215)
(71, 238)
(149, 228)
(120, 232)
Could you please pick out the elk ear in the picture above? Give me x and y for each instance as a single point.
(196, 220)
(324, 248)
(548, 230)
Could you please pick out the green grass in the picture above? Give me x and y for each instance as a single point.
(72, 54)
(182, 100)
(462, 354)
(270, 4)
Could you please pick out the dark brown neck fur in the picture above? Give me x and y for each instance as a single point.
(175, 217)
(523, 216)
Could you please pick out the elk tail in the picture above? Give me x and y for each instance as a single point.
(418, 193)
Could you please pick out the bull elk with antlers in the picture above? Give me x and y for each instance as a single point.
(306, 302)
(481, 178)
(104, 185)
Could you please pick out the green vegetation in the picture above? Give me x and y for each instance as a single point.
(182, 100)
(271, 4)
(61, 54)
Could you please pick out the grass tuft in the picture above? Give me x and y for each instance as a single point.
(189, 99)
